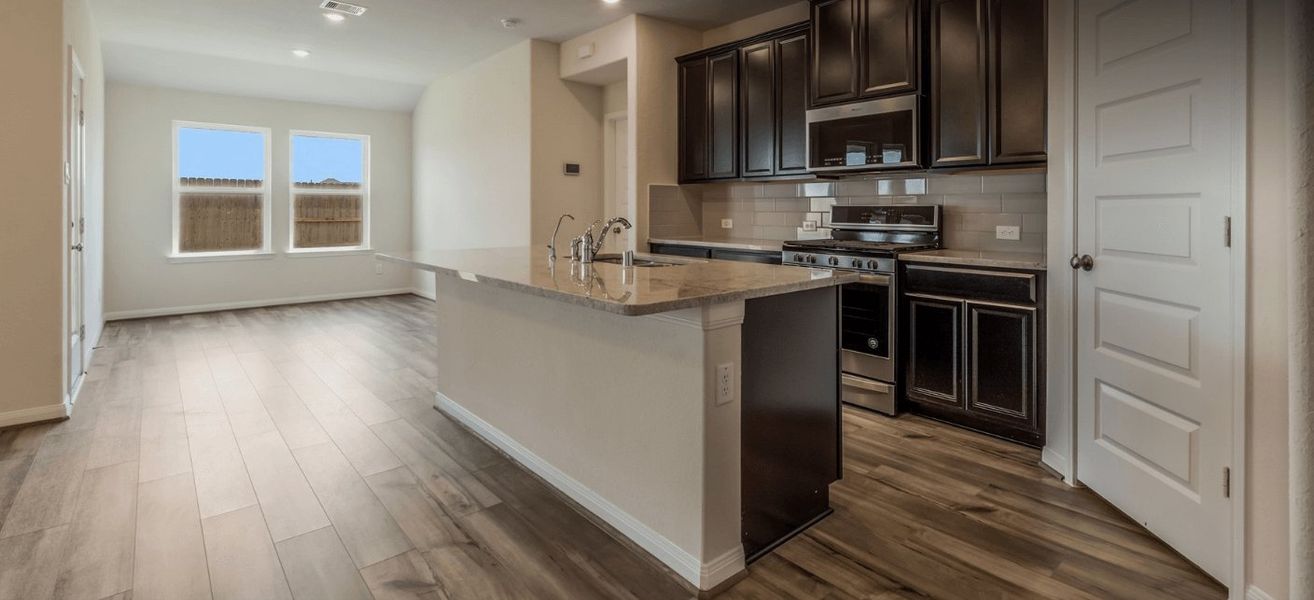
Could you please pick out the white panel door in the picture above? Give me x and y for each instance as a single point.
(1156, 149)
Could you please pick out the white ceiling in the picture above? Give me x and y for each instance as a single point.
(382, 59)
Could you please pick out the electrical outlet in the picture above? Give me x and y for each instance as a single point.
(725, 383)
(378, 268)
(727, 223)
(1008, 232)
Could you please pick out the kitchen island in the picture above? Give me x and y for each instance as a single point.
(693, 406)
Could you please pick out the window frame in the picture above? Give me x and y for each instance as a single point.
(363, 192)
(265, 190)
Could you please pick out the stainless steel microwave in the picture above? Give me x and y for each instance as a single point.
(865, 136)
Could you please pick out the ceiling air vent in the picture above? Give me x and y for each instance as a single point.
(343, 7)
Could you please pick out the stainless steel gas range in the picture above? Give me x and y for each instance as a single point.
(868, 240)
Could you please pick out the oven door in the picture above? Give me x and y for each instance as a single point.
(867, 332)
(875, 135)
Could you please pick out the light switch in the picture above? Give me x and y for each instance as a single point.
(727, 224)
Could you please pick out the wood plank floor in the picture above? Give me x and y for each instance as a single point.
(293, 452)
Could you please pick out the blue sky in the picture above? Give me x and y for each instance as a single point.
(224, 154)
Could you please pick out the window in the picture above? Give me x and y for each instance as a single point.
(220, 189)
(330, 191)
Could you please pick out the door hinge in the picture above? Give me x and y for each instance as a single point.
(1227, 231)
(1227, 482)
(82, 117)
(82, 332)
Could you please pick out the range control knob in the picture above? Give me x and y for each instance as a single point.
(872, 264)
(857, 263)
(812, 259)
(798, 258)
(834, 261)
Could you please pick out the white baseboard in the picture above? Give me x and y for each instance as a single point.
(34, 415)
(1058, 463)
(204, 308)
(1254, 593)
(703, 575)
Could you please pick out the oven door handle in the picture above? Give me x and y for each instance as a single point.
(866, 384)
(874, 279)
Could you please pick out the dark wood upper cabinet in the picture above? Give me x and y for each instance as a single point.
(1018, 81)
(958, 83)
(792, 103)
(834, 51)
(693, 120)
(890, 31)
(743, 108)
(724, 128)
(757, 110)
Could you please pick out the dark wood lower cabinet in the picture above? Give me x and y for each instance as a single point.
(935, 334)
(972, 360)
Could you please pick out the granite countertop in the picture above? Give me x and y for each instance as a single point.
(730, 243)
(609, 287)
(976, 258)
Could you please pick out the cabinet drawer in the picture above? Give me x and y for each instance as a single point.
(766, 258)
(974, 284)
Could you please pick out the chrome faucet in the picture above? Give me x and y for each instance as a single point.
(622, 221)
(552, 247)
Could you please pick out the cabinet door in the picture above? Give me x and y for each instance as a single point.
(724, 115)
(1001, 357)
(1017, 81)
(834, 51)
(792, 103)
(889, 33)
(757, 109)
(935, 350)
(958, 83)
(693, 120)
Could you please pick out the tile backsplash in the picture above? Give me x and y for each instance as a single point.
(973, 206)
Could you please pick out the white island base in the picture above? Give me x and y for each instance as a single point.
(606, 386)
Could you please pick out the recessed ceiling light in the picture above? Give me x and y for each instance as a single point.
(299, 53)
(511, 23)
(335, 17)
(612, 1)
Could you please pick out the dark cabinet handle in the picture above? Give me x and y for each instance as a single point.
(1084, 262)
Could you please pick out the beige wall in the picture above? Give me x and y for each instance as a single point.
(36, 38)
(1266, 370)
(472, 158)
(141, 280)
(745, 28)
(566, 120)
(615, 98)
(30, 234)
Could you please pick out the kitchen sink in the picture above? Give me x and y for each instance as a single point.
(643, 260)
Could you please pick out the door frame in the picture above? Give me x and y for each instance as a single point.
(1060, 452)
(74, 190)
(609, 130)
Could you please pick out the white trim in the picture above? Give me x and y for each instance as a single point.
(324, 252)
(363, 192)
(265, 190)
(1254, 593)
(204, 308)
(33, 415)
(74, 188)
(703, 575)
(705, 318)
(218, 256)
(1060, 452)
(1240, 282)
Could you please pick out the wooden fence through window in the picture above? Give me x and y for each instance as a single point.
(220, 222)
(327, 220)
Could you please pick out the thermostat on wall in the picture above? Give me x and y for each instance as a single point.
(571, 169)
